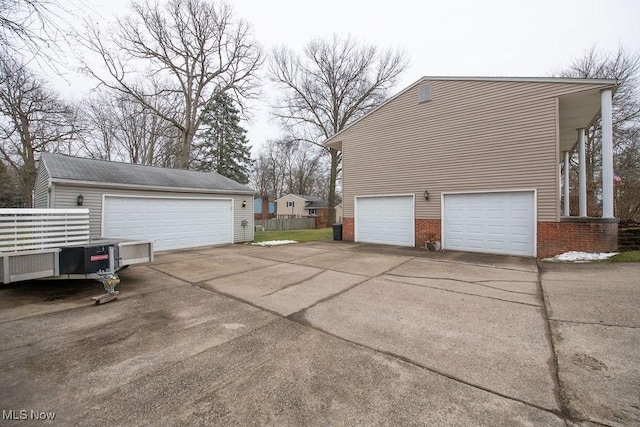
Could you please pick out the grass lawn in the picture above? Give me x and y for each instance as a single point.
(297, 235)
(631, 256)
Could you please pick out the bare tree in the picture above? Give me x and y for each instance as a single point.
(333, 83)
(268, 175)
(37, 30)
(98, 141)
(623, 66)
(25, 21)
(34, 119)
(120, 128)
(284, 167)
(196, 49)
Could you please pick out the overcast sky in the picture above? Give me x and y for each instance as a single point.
(441, 38)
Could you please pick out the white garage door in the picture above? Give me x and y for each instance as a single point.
(500, 223)
(387, 220)
(169, 222)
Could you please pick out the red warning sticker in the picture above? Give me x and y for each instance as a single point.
(99, 257)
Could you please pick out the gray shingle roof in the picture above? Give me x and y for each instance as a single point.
(318, 204)
(106, 172)
(309, 198)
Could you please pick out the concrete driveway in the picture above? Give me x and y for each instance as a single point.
(327, 333)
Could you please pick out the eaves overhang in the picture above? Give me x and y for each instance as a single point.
(147, 187)
(568, 100)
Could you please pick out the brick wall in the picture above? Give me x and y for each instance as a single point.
(571, 234)
(348, 233)
(577, 234)
(427, 230)
(322, 216)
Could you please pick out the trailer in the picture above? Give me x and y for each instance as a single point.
(56, 244)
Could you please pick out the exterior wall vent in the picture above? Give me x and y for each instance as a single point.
(424, 94)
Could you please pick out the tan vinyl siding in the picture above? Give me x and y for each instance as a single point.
(296, 211)
(40, 189)
(65, 196)
(242, 234)
(472, 136)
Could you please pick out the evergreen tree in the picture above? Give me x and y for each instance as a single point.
(222, 146)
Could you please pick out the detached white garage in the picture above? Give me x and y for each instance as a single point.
(174, 208)
(385, 219)
(172, 223)
(490, 222)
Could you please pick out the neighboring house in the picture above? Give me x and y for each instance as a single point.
(302, 206)
(474, 163)
(174, 208)
(258, 209)
(298, 206)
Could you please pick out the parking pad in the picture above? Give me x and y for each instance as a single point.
(497, 345)
(328, 333)
(284, 288)
(518, 279)
(205, 267)
(591, 375)
(285, 374)
(285, 253)
(353, 263)
(61, 358)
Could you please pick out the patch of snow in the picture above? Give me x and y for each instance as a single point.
(575, 256)
(274, 243)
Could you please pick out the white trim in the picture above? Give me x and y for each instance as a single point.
(149, 187)
(522, 190)
(566, 211)
(521, 79)
(489, 191)
(134, 196)
(606, 120)
(413, 212)
(582, 174)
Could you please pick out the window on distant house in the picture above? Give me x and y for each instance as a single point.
(290, 204)
(312, 211)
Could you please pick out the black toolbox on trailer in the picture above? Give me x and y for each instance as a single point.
(85, 259)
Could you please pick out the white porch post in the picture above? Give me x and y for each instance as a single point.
(566, 183)
(607, 153)
(582, 195)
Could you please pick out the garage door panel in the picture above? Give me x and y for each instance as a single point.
(169, 223)
(385, 220)
(490, 222)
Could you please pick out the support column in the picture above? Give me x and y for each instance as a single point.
(566, 184)
(582, 194)
(607, 153)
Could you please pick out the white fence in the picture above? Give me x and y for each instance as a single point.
(35, 229)
(286, 223)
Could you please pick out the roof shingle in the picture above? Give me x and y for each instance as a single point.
(63, 167)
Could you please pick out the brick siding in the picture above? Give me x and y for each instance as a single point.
(571, 234)
(427, 230)
(348, 233)
(577, 234)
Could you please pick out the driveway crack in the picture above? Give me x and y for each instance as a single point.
(302, 321)
(463, 293)
(610, 325)
(466, 281)
(560, 396)
(295, 283)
